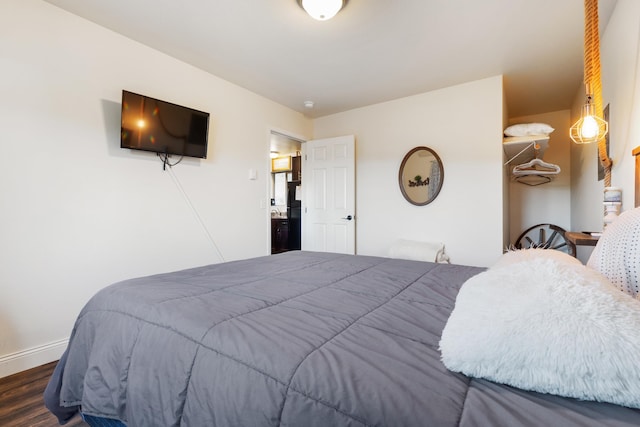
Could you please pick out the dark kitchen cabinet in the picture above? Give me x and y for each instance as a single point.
(279, 235)
(296, 168)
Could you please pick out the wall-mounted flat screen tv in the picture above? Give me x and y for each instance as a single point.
(150, 124)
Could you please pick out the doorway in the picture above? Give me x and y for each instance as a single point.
(285, 192)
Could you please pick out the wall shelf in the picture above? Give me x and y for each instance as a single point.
(521, 149)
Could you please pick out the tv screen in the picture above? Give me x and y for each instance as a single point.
(153, 125)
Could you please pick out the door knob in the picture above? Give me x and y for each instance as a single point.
(348, 218)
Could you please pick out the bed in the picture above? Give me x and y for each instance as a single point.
(294, 339)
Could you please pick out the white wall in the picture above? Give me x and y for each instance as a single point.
(546, 203)
(620, 55)
(77, 212)
(506, 179)
(463, 124)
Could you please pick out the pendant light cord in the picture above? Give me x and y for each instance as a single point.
(592, 76)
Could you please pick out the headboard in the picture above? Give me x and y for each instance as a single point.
(636, 153)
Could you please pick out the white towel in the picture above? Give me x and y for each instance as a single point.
(418, 251)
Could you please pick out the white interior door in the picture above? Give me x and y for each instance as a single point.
(328, 205)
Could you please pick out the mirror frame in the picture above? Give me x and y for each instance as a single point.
(400, 173)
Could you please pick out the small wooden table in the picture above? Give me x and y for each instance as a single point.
(581, 239)
(577, 238)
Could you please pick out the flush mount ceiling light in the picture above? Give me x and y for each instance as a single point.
(322, 10)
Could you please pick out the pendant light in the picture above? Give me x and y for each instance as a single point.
(591, 127)
(322, 10)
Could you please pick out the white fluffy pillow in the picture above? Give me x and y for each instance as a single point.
(617, 254)
(526, 129)
(547, 326)
(519, 255)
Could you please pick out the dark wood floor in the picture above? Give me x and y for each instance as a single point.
(21, 403)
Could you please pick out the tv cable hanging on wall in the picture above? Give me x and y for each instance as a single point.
(165, 160)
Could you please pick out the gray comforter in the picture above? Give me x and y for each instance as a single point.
(296, 339)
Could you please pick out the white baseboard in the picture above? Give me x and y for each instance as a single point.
(26, 359)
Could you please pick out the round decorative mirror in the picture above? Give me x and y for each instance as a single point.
(420, 176)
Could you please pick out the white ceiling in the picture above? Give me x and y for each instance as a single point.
(372, 51)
